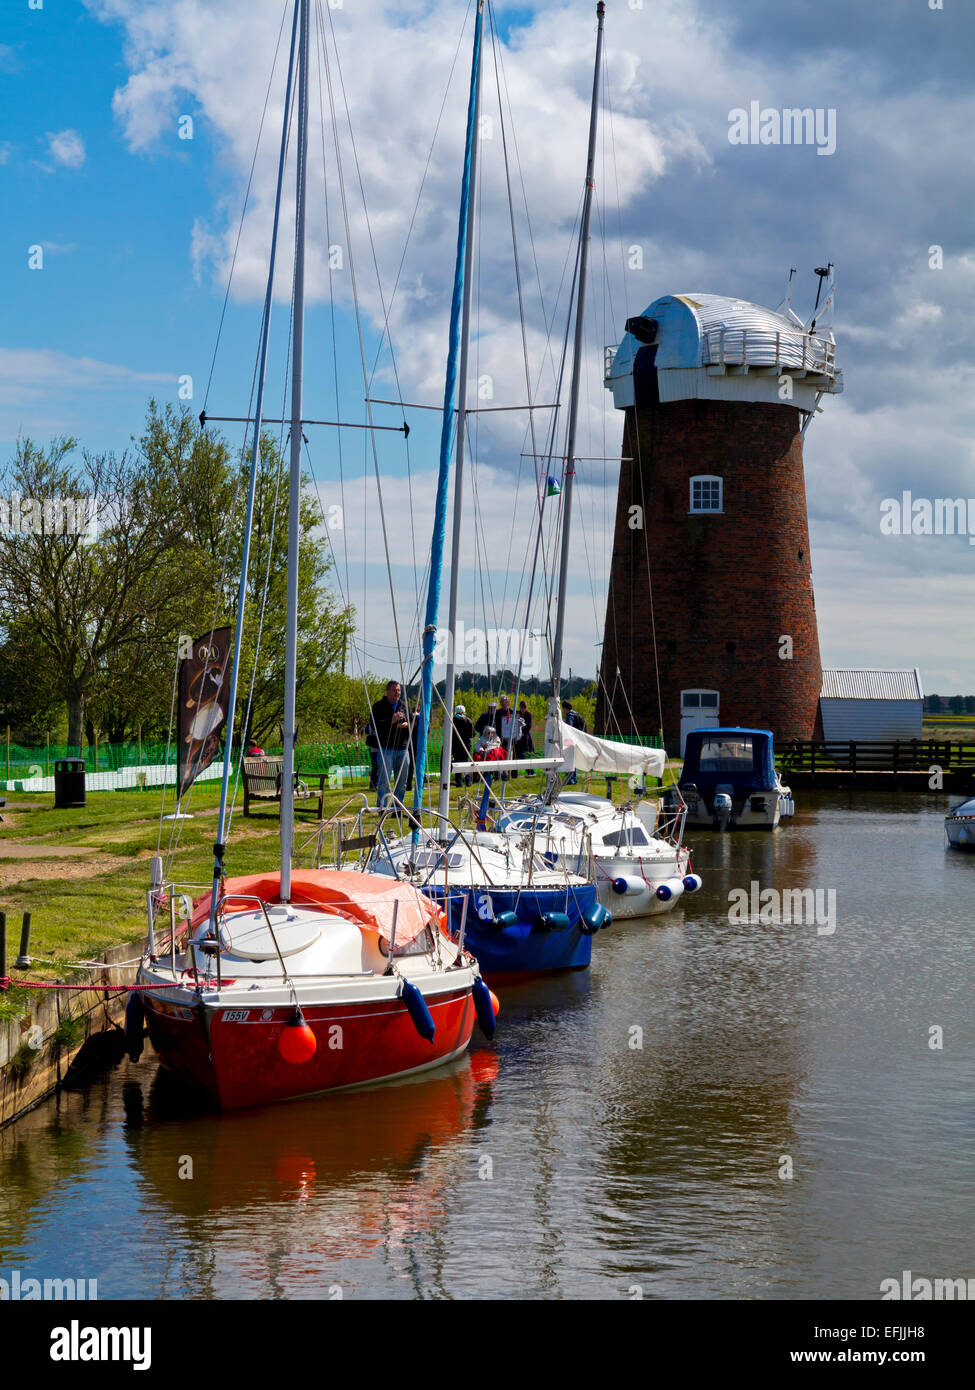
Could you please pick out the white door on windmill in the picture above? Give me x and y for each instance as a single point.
(698, 710)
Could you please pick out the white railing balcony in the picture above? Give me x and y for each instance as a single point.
(758, 347)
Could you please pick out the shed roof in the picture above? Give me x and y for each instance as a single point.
(849, 683)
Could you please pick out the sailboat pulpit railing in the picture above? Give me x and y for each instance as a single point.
(165, 897)
(335, 824)
(168, 895)
(437, 849)
(671, 828)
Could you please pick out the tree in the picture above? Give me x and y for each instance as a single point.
(29, 698)
(956, 704)
(99, 613)
(323, 625)
(87, 597)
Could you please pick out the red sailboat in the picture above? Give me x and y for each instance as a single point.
(354, 979)
(292, 983)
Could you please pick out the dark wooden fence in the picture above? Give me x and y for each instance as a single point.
(894, 755)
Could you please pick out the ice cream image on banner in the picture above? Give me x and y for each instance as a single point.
(202, 705)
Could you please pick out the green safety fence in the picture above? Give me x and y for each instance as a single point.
(18, 762)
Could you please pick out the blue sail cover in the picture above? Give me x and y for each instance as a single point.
(741, 757)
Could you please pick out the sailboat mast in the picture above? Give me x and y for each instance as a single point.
(446, 434)
(218, 857)
(473, 115)
(294, 477)
(576, 368)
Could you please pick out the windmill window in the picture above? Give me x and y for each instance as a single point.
(707, 493)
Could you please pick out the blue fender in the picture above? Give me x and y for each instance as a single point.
(417, 1008)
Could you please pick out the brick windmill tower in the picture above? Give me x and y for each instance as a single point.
(711, 617)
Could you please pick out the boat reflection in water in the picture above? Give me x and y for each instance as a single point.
(291, 1201)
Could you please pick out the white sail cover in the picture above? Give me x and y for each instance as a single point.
(583, 752)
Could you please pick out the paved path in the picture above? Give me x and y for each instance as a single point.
(10, 849)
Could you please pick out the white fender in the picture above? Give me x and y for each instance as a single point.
(674, 887)
(634, 885)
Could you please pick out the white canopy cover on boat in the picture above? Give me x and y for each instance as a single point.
(584, 752)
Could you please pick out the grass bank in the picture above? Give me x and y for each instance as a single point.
(83, 874)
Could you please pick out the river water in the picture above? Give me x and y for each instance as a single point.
(631, 1131)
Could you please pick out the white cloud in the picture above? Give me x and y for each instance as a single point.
(706, 216)
(44, 392)
(501, 521)
(395, 60)
(67, 149)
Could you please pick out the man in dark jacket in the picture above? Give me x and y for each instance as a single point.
(574, 721)
(572, 717)
(462, 744)
(524, 748)
(490, 716)
(388, 723)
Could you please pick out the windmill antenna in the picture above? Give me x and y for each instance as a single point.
(823, 272)
(786, 303)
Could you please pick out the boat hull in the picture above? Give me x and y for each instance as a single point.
(961, 834)
(522, 949)
(754, 811)
(640, 903)
(642, 878)
(233, 1053)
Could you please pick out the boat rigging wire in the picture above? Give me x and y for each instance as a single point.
(176, 829)
(358, 316)
(638, 466)
(243, 211)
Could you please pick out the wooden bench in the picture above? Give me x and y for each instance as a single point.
(262, 782)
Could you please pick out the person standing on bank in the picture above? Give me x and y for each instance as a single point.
(574, 721)
(372, 744)
(524, 748)
(490, 716)
(509, 729)
(389, 724)
(572, 717)
(411, 748)
(462, 744)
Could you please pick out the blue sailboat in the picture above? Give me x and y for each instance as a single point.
(519, 908)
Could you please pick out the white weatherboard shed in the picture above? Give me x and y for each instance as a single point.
(871, 705)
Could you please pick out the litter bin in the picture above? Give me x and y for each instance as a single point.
(69, 783)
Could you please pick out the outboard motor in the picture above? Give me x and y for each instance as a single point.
(722, 807)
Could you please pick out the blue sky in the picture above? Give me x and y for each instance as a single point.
(117, 289)
(136, 227)
(116, 285)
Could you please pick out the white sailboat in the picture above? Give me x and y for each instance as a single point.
(641, 864)
(525, 907)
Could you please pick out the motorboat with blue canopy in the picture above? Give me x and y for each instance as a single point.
(960, 825)
(729, 781)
